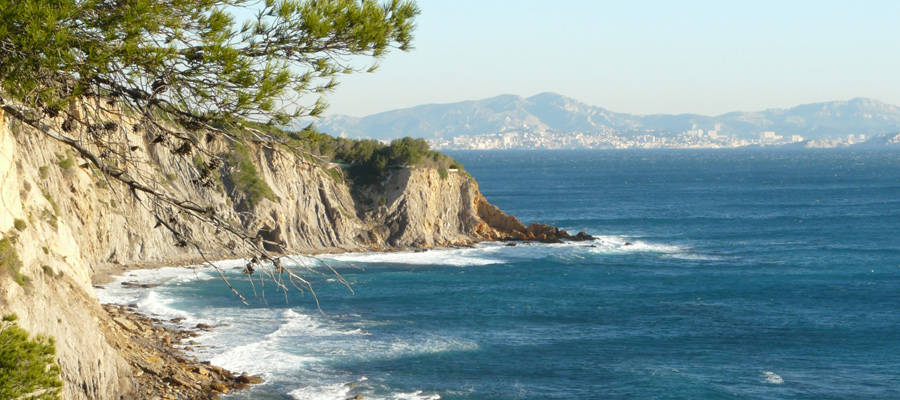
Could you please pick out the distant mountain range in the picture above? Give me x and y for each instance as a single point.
(551, 112)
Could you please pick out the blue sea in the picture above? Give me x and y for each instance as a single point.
(738, 274)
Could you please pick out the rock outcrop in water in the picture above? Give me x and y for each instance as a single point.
(497, 225)
(68, 227)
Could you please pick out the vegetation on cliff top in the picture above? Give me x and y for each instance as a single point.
(28, 369)
(368, 161)
(90, 74)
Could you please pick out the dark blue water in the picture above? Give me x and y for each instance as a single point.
(750, 274)
(796, 271)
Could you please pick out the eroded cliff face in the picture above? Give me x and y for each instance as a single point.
(74, 225)
(52, 214)
(419, 208)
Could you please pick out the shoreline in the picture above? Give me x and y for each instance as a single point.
(107, 275)
(158, 354)
(161, 366)
(104, 276)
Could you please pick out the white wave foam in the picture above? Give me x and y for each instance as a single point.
(273, 342)
(343, 391)
(150, 301)
(453, 257)
(263, 357)
(417, 395)
(296, 341)
(155, 303)
(430, 345)
(773, 378)
(693, 257)
(621, 244)
(296, 324)
(117, 293)
(328, 392)
(279, 342)
(149, 290)
(498, 253)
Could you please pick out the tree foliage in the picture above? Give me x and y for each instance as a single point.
(92, 74)
(28, 369)
(369, 161)
(192, 58)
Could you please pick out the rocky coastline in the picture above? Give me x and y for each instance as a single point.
(161, 366)
(159, 352)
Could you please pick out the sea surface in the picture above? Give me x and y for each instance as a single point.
(738, 274)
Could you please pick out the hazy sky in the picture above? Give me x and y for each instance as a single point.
(640, 56)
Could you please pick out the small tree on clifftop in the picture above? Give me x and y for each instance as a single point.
(187, 71)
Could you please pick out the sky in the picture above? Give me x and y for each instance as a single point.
(639, 56)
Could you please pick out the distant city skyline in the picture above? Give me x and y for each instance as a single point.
(640, 57)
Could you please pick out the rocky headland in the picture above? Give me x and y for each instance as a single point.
(161, 367)
(67, 229)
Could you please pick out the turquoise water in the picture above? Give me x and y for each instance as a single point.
(750, 274)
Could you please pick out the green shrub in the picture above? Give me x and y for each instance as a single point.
(245, 178)
(198, 162)
(370, 160)
(52, 203)
(336, 175)
(366, 161)
(443, 173)
(51, 219)
(10, 264)
(27, 367)
(65, 161)
(20, 224)
(48, 215)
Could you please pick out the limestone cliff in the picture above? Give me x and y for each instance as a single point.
(67, 224)
(419, 208)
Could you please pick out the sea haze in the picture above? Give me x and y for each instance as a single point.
(738, 274)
